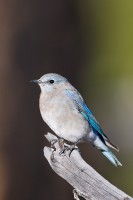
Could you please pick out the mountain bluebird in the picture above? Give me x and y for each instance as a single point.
(64, 110)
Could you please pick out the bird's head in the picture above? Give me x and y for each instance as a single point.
(50, 82)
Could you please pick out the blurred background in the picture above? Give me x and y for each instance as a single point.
(90, 43)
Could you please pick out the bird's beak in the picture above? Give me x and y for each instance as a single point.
(35, 81)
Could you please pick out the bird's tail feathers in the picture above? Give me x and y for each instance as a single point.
(109, 144)
(112, 158)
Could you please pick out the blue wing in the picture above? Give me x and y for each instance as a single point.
(86, 112)
(93, 122)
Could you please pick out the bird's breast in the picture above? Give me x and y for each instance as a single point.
(63, 118)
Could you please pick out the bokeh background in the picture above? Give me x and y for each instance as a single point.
(90, 43)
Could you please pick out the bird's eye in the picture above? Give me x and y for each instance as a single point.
(51, 81)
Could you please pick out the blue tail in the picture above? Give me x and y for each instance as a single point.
(98, 141)
(112, 158)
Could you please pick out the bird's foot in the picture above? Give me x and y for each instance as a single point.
(69, 148)
(64, 147)
(60, 142)
(52, 142)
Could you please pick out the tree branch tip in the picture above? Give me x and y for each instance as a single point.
(49, 136)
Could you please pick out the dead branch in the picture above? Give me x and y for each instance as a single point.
(83, 178)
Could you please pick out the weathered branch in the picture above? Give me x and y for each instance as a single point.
(84, 179)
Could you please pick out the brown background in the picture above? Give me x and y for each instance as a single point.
(38, 37)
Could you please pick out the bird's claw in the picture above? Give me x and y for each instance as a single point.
(64, 148)
(53, 141)
(71, 148)
(60, 143)
(68, 148)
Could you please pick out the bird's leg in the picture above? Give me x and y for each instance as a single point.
(61, 143)
(53, 141)
(59, 140)
(62, 146)
(69, 148)
(73, 147)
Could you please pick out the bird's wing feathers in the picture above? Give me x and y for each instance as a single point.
(85, 111)
(88, 115)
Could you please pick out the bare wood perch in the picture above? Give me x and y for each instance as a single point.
(84, 179)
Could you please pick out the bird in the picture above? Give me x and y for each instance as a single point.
(64, 110)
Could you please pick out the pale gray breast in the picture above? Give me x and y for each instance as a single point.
(63, 117)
